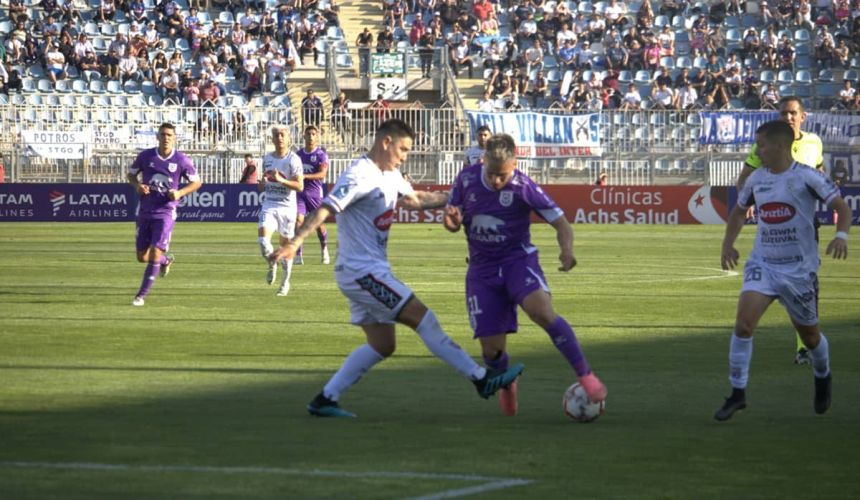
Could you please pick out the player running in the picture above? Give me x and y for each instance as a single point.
(315, 166)
(494, 202)
(784, 260)
(281, 180)
(365, 199)
(156, 174)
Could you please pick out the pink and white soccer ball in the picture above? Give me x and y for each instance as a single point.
(579, 407)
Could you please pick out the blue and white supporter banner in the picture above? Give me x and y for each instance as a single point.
(732, 128)
(834, 129)
(543, 135)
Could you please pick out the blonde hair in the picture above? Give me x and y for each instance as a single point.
(500, 149)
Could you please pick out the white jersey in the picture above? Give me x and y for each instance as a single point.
(474, 154)
(278, 195)
(785, 235)
(364, 199)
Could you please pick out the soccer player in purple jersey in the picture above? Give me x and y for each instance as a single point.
(315, 165)
(155, 175)
(493, 201)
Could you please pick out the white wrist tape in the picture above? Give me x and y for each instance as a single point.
(842, 235)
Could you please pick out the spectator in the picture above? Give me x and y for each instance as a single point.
(602, 179)
(752, 87)
(490, 26)
(534, 57)
(312, 109)
(584, 55)
(364, 42)
(460, 57)
(662, 97)
(666, 42)
(770, 97)
(106, 11)
(487, 104)
(385, 40)
(632, 101)
(664, 77)
(382, 109)
(825, 54)
(751, 43)
(842, 54)
(341, 115)
(249, 172)
(13, 81)
(839, 173)
(567, 55)
(253, 83)
(786, 54)
(614, 14)
(686, 98)
(209, 92)
(169, 87)
(55, 63)
(89, 62)
(734, 82)
(127, 67)
(847, 96)
(426, 48)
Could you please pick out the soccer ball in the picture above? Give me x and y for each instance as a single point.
(577, 406)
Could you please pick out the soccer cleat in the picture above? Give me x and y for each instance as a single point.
(165, 268)
(593, 387)
(298, 260)
(802, 357)
(284, 290)
(271, 274)
(326, 259)
(137, 302)
(822, 393)
(497, 379)
(508, 400)
(322, 406)
(737, 401)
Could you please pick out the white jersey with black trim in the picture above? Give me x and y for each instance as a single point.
(278, 195)
(364, 199)
(474, 154)
(785, 234)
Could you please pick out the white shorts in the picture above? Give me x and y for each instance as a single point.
(280, 219)
(375, 296)
(799, 296)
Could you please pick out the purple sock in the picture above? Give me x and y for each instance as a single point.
(565, 341)
(323, 236)
(497, 363)
(149, 276)
(299, 251)
(163, 259)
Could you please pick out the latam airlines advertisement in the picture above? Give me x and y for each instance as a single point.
(583, 204)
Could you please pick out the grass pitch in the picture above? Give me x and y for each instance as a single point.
(201, 393)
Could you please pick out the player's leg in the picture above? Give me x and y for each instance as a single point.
(311, 204)
(417, 316)
(153, 236)
(802, 355)
(301, 211)
(800, 298)
(493, 350)
(265, 227)
(286, 229)
(751, 306)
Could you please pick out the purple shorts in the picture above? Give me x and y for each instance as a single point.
(307, 204)
(494, 291)
(154, 232)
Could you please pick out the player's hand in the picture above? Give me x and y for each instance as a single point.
(143, 189)
(286, 252)
(729, 258)
(453, 219)
(274, 176)
(173, 195)
(751, 212)
(838, 248)
(568, 261)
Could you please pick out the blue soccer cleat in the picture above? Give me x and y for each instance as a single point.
(498, 379)
(322, 406)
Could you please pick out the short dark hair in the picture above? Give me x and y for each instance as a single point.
(790, 98)
(312, 127)
(166, 125)
(395, 128)
(483, 128)
(777, 130)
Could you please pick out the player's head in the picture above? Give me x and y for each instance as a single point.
(500, 160)
(312, 136)
(773, 142)
(791, 111)
(392, 144)
(483, 134)
(280, 138)
(166, 138)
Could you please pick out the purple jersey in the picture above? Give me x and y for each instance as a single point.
(311, 164)
(497, 223)
(161, 175)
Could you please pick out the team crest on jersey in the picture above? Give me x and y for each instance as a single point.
(171, 167)
(313, 158)
(506, 198)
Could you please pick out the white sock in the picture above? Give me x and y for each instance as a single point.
(821, 358)
(445, 348)
(266, 247)
(288, 269)
(354, 366)
(740, 355)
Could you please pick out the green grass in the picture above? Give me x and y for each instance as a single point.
(215, 371)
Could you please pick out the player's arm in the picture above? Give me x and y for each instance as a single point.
(312, 222)
(564, 236)
(134, 180)
(838, 247)
(175, 194)
(729, 254)
(319, 176)
(420, 200)
(296, 183)
(453, 218)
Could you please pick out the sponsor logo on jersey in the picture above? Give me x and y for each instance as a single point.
(776, 212)
(383, 222)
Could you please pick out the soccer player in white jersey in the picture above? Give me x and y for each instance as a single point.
(282, 179)
(365, 199)
(475, 154)
(784, 261)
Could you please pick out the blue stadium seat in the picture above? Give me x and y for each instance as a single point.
(108, 30)
(804, 91)
(749, 20)
(825, 75)
(226, 18)
(45, 86)
(684, 62)
(80, 86)
(90, 75)
(642, 77)
(786, 89)
(87, 101)
(767, 76)
(148, 88)
(801, 35)
(28, 84)
(661, 21)
(131, 87)
(97, 87)
(803, 77)
(343, 61)
(36, 71)
(53, 100)
(667, 62)
(784, 76)
(751, 62)
(700, 62)
(114, 87)
(34, 100)
(851, 74)
(119, 101)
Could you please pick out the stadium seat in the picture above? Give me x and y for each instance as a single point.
(79, 86)
(625, 76)
(278, 87)
(67, 116)
(749, 20)
(45, 86)
(148, 88)
(851, 74)
(6, 27)
(642, 77)
(100, 45)
(679, 23)
(87, 101)
(661, 21)
(119, 101)
(72, 72)
(334, 33)
(751, 62)
(137, 100)
(784, 76)
(700, 62)
(667, 62)
(18, 100)
(34, 100)
(114, 87)
(131, 87)
(804, 91)
(855, 62)
(684, 62)
(767, 76)
(732, 22)
(97, 87)
(801, 35)
(53, 100)
(786, 89)
(154, 100)
(825, 75)
(803, 77)
(343, 61)
(554, 76)
(36, 71)
(28, 84)
(108, 30)
(226, 18)
(182, 45)
(103, 101)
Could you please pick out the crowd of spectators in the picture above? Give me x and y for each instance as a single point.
(592, 55)
(184, 56)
